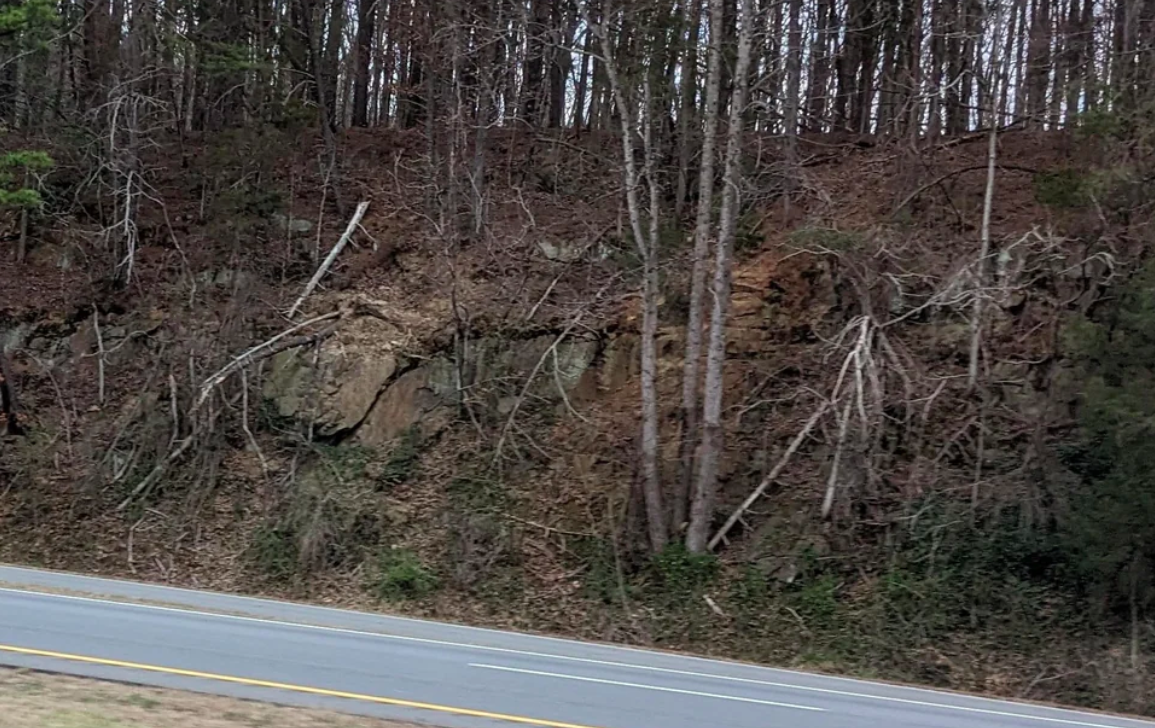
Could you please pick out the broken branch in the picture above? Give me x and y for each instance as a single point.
(332, 256)
(770, 477)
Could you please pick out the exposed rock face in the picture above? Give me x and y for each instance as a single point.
(774, 298)
(338, 386)
(423, 397)
(361, 383)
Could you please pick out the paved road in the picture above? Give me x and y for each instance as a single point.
(440, 674)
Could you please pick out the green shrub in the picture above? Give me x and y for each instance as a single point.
(815, 600)
(477, 493)
(1065, 188)
(273, 551)
(1110, 529)
(683, 575)
(17, 171)
(837, 241)
(600, 580)
(401, 575)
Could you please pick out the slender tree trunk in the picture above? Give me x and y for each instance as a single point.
(366, 32)
(793, 80)
(646, 241)
(9, 408)
(579, 104)
(692, 362)
(985, 242)
(1000, 95)
(938, 32)
(560, 62)
(710, 451)
(331, 70)
(818, 78)
(1021, 69)
(1038, 62)
(532, 92)
(687, 117)
(1089, 74)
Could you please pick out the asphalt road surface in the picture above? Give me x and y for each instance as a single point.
(442, 674)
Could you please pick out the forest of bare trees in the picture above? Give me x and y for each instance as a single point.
(914, 67)
(683, 84)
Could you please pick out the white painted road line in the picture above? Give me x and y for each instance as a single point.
(1073, 720)
(640, 686)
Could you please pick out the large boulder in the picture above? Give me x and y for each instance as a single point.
(360, 382)
(337, 387)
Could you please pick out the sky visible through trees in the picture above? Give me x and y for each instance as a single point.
(864, 66)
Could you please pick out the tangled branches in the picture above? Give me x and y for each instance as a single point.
(199, 420)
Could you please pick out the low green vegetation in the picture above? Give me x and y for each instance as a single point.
(832, 239)
(1065, 188)
(399, 574)
(18, 174)
(404, 460)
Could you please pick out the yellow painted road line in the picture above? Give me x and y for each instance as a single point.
(294, 688)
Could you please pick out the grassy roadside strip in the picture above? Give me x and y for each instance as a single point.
(30, 699)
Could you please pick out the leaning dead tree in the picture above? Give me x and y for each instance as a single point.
(334, 253)
(994, 80)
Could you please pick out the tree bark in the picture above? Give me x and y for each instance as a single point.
(687, 116)
(793, 77)
(692, 362)
(366, 31)
(985, 241)
(646, 241)
(819, 68)
(710, 451)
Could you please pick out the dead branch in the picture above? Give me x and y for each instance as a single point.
(528, 382)
(955, 173)
(332, 256)
(984, 252)
(832, 479)
(245, 423)
(770, 477)
(99, 354)
(265, 349)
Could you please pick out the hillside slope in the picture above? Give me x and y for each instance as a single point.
(455, 433)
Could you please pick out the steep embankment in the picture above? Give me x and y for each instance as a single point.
(455, 437)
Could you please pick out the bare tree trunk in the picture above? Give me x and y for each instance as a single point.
(579, 102)
(793, 89)
(938, 32)
(988, 203)
(691, 366)
(689, 90)
(366, 22)
(1088, 73)
(1038, 62)
(819, 68)
(646, 242)
(705, 487)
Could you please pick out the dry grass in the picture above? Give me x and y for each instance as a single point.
(41, 700)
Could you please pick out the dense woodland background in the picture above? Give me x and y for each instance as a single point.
(838, 313)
